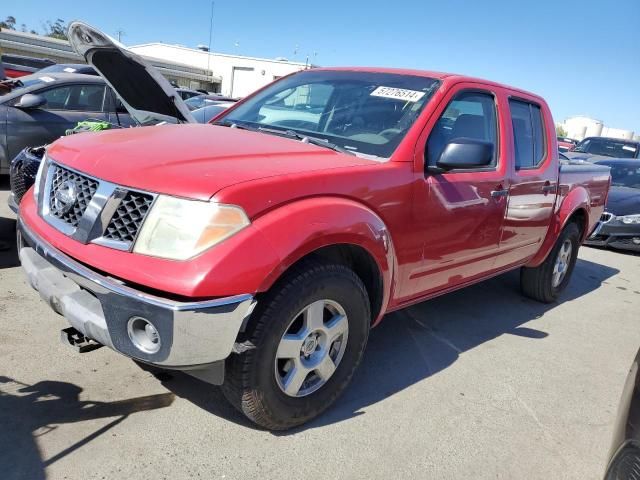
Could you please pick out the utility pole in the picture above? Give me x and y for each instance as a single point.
(210, 41)
(120, 33)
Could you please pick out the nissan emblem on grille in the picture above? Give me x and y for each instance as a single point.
(70, 194)
(66, 196)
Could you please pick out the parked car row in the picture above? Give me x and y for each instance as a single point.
(16, 66)
(565, 143)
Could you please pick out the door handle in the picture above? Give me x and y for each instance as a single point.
(499, 193)
(549, 188)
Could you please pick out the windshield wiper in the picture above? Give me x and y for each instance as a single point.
(306, 139)
(230, 124)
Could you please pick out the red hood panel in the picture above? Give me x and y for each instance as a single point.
(193, 161)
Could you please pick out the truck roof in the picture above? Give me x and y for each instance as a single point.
(451, 77)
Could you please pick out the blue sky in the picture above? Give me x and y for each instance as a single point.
(583, 56)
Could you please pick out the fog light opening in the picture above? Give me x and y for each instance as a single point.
(143, 334)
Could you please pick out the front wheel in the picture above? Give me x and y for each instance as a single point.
(546, 281)
(307, 339)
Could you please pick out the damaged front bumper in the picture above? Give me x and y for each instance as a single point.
(192, 336)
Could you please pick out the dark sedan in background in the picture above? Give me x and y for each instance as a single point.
(70, 68)
(592, 149)
(41, 107)
(619, 226)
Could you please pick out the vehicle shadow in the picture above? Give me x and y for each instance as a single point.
(413, 344)
(8, 251)
(31, 411)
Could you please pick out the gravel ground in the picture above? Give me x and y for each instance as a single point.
(481, 383)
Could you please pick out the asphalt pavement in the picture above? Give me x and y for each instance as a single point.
(481, 383)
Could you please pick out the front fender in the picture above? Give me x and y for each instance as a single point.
(577, 199)
(300, 228)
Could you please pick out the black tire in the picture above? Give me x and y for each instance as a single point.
(250, 380)
(537, 282)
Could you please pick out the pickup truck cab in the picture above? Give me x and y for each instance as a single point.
(258, 251)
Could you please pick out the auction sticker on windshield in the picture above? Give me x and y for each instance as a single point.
(397, 94)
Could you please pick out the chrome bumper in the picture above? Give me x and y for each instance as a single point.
(193, 335)
(13, 205)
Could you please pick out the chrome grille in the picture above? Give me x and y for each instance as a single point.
(85, 188)
(127, 219)
(92, 210)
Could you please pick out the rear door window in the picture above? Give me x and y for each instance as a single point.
(528, 134)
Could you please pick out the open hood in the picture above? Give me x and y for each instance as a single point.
(145, 93)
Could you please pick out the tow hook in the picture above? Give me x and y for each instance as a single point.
(76, 340)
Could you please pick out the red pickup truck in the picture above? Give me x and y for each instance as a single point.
(257, 252)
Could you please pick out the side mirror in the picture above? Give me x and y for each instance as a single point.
(30, 100)
(465, 153)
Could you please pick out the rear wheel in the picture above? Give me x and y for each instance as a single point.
(307, 337)
(545, 282)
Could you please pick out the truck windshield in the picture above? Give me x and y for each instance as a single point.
(359, 112)
(608, 147)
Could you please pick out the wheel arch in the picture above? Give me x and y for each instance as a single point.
(574, 207)
(334, 230)
(356, 258)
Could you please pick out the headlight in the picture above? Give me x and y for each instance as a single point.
(630, 219)
(36, 186)
(180, 229)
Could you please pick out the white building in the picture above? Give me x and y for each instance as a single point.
(232, 75)
(238, 75)
(60, 51)
(617, 133)
(580, 127)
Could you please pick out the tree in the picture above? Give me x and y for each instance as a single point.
(9, 23)
(560, 131)
(57, 29)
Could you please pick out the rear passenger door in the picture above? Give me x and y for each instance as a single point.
(534, 182)
(459, 212)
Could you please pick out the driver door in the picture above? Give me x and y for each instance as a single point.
(459, 212)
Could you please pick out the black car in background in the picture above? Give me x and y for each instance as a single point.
(592, 149)
(619, 225)
(39, 108)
